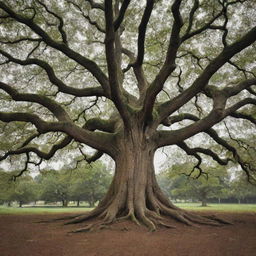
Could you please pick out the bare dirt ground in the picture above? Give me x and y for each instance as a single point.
(22, 235)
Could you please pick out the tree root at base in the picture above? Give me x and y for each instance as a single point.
(150, 220)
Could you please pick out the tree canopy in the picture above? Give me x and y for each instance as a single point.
(126, 78)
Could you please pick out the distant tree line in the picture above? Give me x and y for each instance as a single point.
(87, 183)
(215, 185)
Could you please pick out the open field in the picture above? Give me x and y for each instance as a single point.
(187, 206)
(41, 210)
(219, 207)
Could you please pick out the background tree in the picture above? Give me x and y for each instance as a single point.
(56, 186)
(213, 184)
(240, 189)
(90, 183)
(6, 188)
(126, 78)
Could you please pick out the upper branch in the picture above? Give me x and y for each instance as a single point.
(142, 32)
(228, 52)
(52, 105)
(95, 5)
(61, 22)
(120, 17)
(169, 65)
(44, 155)
(62, 87)
(98, 140)
(60, 46)
(87, 17)
(115, 86)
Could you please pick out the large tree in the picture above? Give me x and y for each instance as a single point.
(126, 78)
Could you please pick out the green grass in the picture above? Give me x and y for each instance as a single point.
(219, 207)
(41, 210)
(188, 206)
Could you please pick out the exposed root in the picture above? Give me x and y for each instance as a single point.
(90, 228)
(148, 218)
(160, 223)
(220, 220)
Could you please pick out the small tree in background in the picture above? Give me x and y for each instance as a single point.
(90, 183)
(213, 184)
(240, 189)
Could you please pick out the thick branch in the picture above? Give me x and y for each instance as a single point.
(142, 32)
(115, 87)
(138, 71)
(120, 17)
(83, 61)
(243, 116)
(228, 52)
(100, 124)
(98, 140)
(53, 106)
(62, 87)
(168, 66)
(204, 151)
(44, 155)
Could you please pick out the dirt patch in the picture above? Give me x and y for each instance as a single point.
(22, 235)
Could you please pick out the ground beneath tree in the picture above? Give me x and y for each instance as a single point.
(23, 235)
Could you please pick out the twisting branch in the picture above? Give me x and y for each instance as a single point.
(90, 65)
(97, 140)
(61, 22)
(138, 71)
(27, 162)
(142, 32)
(87, 17)
(120, 17)
(243, 116)
(168, 67)
(85, 92)
(44, 155)
(191, 16)
(50, 104)
(169, 107)
(111, 57)
(95, 5)
(192, 152)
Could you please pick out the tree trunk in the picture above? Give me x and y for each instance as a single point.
(134, 193)
(78, 203)
(65, 203)
(204, 202)
(20, 203)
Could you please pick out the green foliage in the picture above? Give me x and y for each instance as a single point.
(23, 190)
(198, 188)
(240, 188)
(88, 183)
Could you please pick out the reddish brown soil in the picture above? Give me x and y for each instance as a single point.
(23, 235)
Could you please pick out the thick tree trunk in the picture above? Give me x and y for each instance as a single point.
(64, 203)
(134, 193)
(204, 202)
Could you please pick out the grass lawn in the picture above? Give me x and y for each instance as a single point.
(41, 210)
(187, 206)
(219, 207)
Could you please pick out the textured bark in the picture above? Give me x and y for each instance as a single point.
(134, 193)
